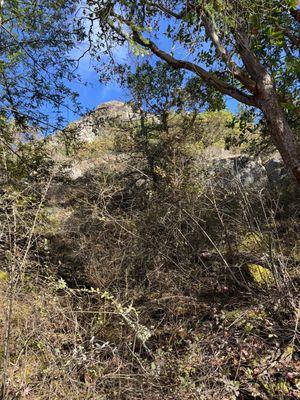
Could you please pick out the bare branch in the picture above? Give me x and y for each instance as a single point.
(167, 11)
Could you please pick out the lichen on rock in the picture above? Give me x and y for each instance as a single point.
(261, 275)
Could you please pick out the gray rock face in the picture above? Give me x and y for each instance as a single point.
(114, 110)
(101, 120)
(243, 170)
(246, 171)
(276, 171)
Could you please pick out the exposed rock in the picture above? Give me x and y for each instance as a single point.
(101, 120)
(231, 170)
(276, 171)
(243, 169)
(222, 165)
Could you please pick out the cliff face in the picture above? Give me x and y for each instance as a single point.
(100, 121)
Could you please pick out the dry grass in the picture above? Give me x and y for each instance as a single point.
(139, 293)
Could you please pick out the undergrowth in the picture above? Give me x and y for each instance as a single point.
(122, 285)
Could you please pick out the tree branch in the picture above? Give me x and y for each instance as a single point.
(237, 72)
(251, 62)
(167, 11)
(295, 40)
(208, 77)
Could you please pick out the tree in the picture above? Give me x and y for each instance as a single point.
(36, 37)
(35, 42)
(157, 91)
(168, 106)
(245, 50)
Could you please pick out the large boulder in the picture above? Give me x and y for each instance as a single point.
(244, 171)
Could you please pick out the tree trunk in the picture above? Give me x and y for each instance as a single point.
(282, 135)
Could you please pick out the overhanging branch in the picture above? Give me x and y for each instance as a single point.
(209, 77)
(236, 71)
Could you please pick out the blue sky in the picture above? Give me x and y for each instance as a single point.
(93, 92)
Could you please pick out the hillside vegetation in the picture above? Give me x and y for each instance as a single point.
(133, 268)
(149, 250)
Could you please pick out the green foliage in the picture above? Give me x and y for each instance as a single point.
(169, 127)
(70, 138)
(36, 38)
(4, 276)
(213, 128)
(24, 158)
(223, 47)
(248, 133)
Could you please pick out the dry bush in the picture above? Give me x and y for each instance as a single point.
(181, 259)
(182, 289)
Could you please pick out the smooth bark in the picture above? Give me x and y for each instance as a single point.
(281, 133)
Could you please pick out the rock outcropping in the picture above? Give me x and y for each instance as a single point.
(227, 168)
(101, 120)
(243, 170)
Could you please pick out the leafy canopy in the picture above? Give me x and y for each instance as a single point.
(36, 38)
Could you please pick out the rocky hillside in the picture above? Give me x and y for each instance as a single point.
(102, 119)
(99, 127)
(166, 271)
